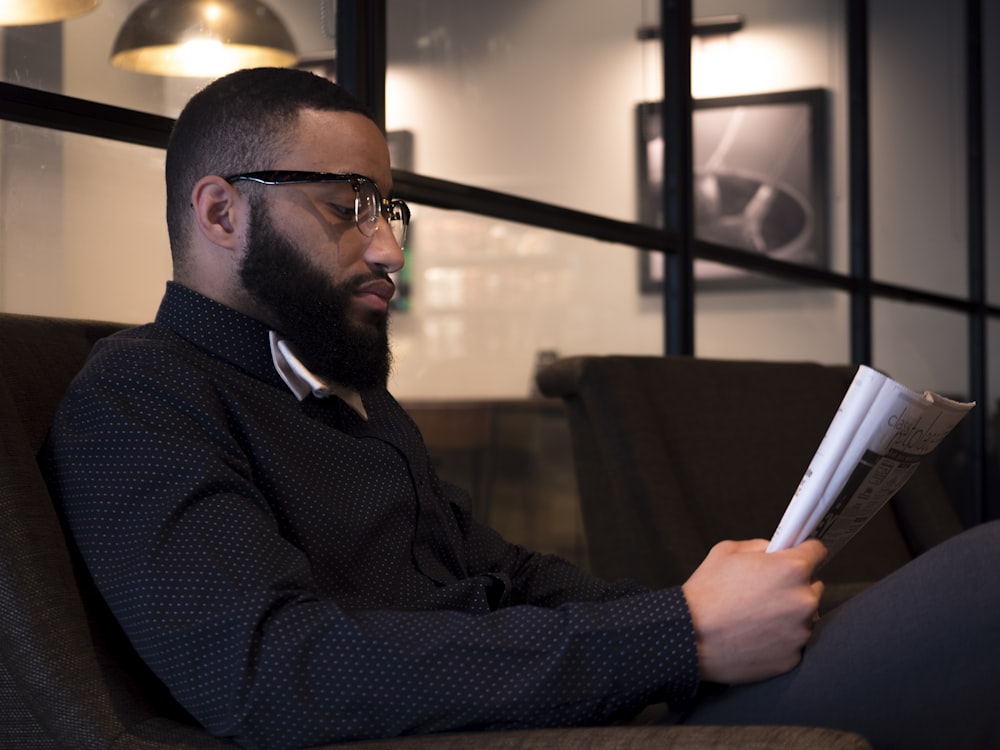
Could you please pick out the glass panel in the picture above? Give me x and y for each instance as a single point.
(754, 317)
(72, 57)
(533, 98)
(922, 347)
(768, 131)
(490, 299)
(919, 233)
(927, 349)
(82, 232)
(540, 98)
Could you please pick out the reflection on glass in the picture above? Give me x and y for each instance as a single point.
(927, 349)
(82, 232)
(487, 296)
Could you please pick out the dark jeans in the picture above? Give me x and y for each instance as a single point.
(911, 662)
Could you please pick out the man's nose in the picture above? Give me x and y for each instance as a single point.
(383, 251)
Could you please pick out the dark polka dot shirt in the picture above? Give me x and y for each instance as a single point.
(297, 575)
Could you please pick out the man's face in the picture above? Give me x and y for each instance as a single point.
(313, 311)
(307, 269)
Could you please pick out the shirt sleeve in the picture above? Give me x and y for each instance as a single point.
(262, 658)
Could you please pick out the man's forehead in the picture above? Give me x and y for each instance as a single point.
(336, 141)
(332, 126)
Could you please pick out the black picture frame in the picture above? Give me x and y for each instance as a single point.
(761, 181)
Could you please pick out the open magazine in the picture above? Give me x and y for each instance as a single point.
(873, 445)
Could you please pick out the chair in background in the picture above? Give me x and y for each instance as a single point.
(674, 454)
(69, 678)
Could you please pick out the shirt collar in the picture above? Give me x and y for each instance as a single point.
(302, 382)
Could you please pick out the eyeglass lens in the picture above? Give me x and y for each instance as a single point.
(369, 210)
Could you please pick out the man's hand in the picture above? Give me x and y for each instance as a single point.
(753, 611)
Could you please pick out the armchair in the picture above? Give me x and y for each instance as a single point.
(674, 454)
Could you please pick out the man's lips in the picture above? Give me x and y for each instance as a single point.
(379, 289)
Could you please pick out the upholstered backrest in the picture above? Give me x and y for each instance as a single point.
(676, 453)
(67, 675)
(40, 356)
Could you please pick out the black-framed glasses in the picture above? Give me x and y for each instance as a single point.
(369, 205)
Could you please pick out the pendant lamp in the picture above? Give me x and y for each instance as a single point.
(25, 12)
(203, 38)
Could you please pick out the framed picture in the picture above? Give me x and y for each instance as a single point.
(760, 181)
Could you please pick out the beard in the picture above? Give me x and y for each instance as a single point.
(313, 313)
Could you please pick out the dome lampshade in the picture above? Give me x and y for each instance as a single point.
(204, 38)
(26, 12)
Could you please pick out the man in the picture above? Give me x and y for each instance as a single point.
(263, 520)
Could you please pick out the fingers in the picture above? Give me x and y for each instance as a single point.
(810, 553)
(814, 550)
(817, 589)
(730, 546)
(753, 611)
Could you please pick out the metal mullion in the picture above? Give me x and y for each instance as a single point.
(859, 180)
(362, 52)
(65, 113)
(678, 176)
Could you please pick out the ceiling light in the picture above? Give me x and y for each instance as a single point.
(24, 12)
(204, 38)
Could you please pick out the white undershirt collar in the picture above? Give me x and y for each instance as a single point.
(303, 383)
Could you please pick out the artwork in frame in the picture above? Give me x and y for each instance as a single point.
(760, 181)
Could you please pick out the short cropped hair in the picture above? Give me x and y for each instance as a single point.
(239, 123)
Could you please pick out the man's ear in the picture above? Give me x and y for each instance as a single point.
(219, 211)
